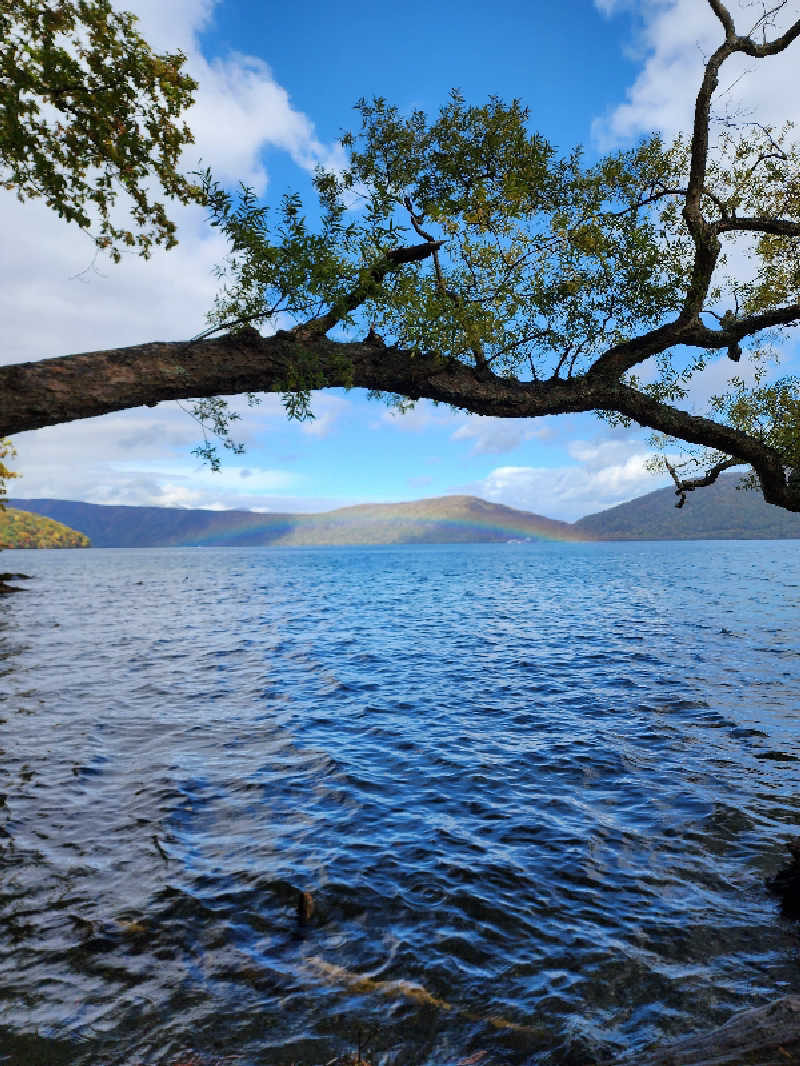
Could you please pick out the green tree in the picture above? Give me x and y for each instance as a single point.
(89, 111)
(459, 258)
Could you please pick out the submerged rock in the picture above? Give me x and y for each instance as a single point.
(762, 1036)
(786, 883)
(7, 576)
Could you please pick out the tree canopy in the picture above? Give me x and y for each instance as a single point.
(459, 257)
(89, 111)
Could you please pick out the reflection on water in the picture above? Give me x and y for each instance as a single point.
(533, 789)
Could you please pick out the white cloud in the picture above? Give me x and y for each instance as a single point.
(141, 456)
(602, 454)
(611, 472)
(54, 300)
(239, 107)
(170, 26)
(240, 110)
(485, 434)
(494, 436)
(423, 416)
(328, 410)
(674, 38)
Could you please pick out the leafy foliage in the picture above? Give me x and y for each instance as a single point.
(6, 451)
(539, 264)
(216, 418)
(88, 110)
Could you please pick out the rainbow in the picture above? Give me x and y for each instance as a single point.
(448, 519)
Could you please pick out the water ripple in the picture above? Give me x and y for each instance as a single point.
(535, 791)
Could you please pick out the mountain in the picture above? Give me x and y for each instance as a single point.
(20, 529)
(447, 519)
(718, 512)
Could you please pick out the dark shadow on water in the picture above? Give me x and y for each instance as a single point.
(16, 1050)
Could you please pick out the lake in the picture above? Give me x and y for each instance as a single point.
(533, 789)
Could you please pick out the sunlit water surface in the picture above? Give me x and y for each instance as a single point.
(534, 790)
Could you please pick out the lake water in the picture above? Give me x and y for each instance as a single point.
(534, 791)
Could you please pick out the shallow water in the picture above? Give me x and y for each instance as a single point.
(534, 790)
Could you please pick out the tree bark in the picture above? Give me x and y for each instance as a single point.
(51, 391)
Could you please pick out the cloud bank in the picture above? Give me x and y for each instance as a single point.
(610, 472)
(672, 40)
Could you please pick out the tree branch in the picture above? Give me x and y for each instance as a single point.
(700, 336)
(768, 463)
(688, 328)
(645, 201)
(611, 365)
(481, 361)
(704, 234)
(724, 16)
(781, 227)
(706, 242)
(684, 485)
(367, 283)
(768, 48)
(52, 391)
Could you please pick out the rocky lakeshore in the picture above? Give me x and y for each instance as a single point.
(6, 577)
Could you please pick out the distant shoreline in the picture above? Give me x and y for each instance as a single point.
(719, 512)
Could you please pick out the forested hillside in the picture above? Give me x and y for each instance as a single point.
(722, 511)
(20, 529)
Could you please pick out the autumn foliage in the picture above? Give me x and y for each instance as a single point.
(20, 529)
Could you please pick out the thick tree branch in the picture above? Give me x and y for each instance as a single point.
(705, 234)
(611, 365)
(706, 241)
(688, 327)
(724, 16)
(623, 357)
(52, 391)
(781, 227)
(746, 43)
(702, 337)
(769, 48)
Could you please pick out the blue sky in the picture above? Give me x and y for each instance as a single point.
(562, 59)
(277, 86)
